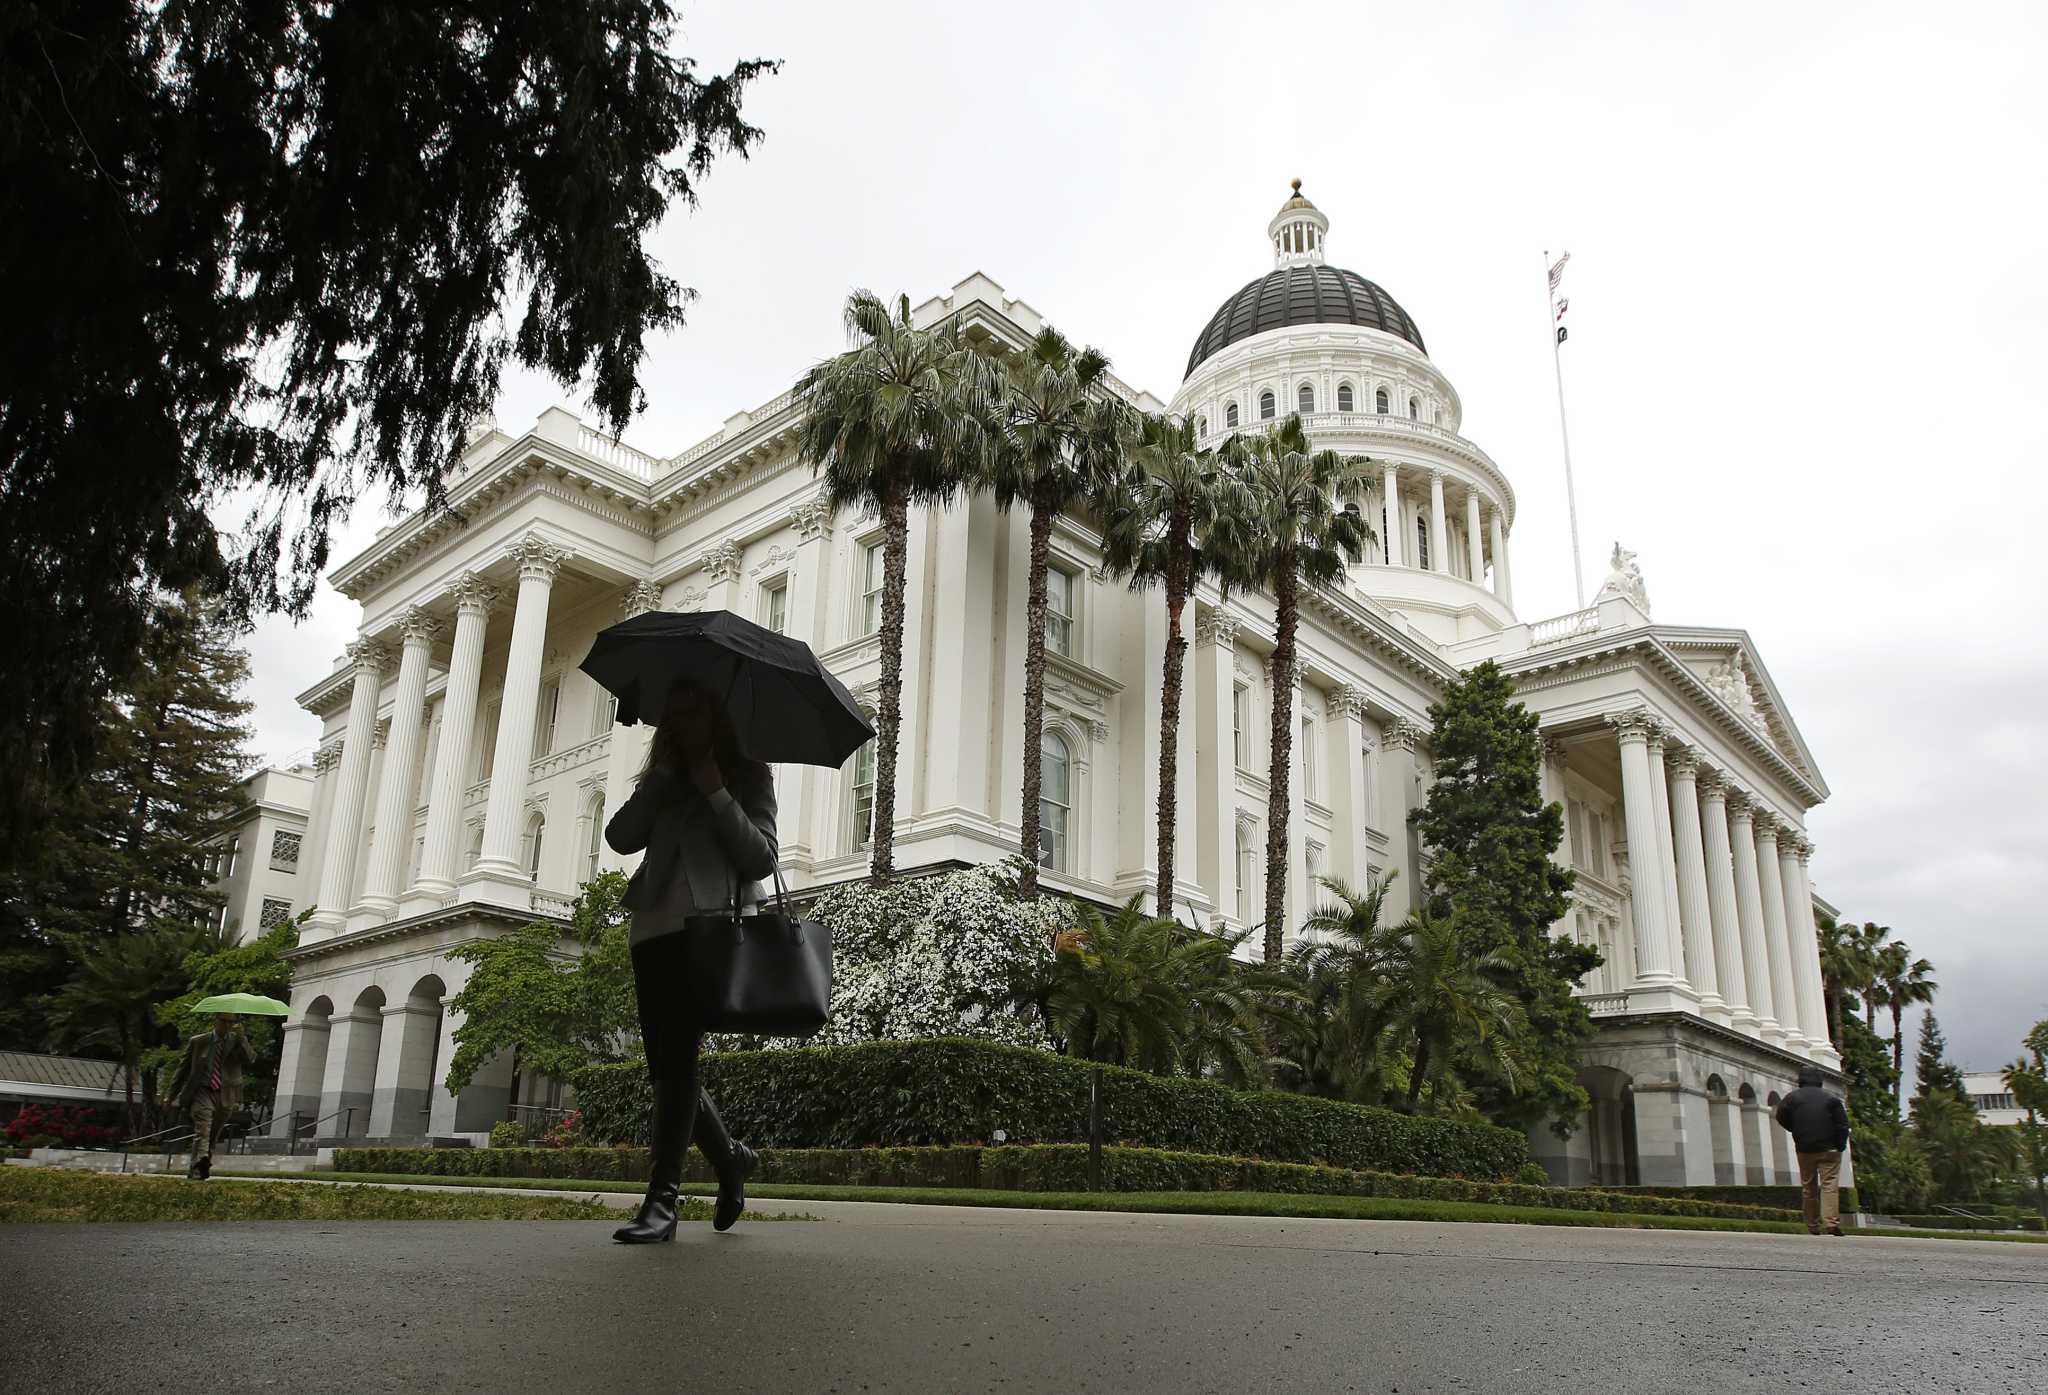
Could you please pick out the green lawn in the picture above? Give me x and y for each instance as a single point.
(1183, 1203)
(60, 1194)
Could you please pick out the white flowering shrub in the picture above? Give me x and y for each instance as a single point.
(916, 958)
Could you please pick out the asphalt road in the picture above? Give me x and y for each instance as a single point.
(944, 1300)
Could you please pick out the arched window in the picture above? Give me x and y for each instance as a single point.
(1380, 401)
(593, 847)
(476, 846)
(1201, 426)
(861, 805)
(1305, 400)
(1230, 414)
(1415, 409)
(1422, 542)
(1247, 869)
(1265, 406)
(1344, 403)
(536, 830)
(1055, 799)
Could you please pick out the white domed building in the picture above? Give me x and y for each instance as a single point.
(466, 767)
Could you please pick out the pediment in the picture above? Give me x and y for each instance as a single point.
(1727, 665)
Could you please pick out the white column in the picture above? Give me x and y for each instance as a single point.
(1348, 801)
(298, 1084)
(1299, 896)
(1667, 871)
(351, 785)
(1399, 740)
(1390, 484)
(1216, 648)
(1694, 908)
(1721, 903)
(1439, 536)
(1749, 905)
(394, 797)
(1500, 559)
(1770, 883)
(807, 831)
(1653, 941)
(498, 877)
(313, 848)
(1474, 540)
(1803, 939)
(449, 780)
(628, 750)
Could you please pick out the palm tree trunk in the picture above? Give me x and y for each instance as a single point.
(1420, 1070)
(1031, 839)
(1277, 831)
(1172, 668)
(889, 713)
(1899, 1055)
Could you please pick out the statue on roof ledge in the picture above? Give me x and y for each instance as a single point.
(1625, 578)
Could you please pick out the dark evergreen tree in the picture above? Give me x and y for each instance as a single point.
(263, 251)
(1933, 1072)
(1489, 836)
(1867, 1064)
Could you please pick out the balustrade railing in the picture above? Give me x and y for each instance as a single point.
(1604, 1004)
(1564, 627)
(617, 454)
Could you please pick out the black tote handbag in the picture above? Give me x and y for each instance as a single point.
(767, 974)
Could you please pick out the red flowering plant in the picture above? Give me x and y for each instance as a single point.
(58, 1126)
(566, 1132)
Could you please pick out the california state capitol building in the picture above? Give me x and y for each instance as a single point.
(466, 768)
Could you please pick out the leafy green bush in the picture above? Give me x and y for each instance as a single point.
(1043, 1167)
(947, 1091)
(1780, 1196)
(1531, 1174)
(507, 1134)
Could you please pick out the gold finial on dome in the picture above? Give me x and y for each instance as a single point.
(1296, 185)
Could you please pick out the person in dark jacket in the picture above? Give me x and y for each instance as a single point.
(1819, 1126)
(209, 1083)
(705, 815)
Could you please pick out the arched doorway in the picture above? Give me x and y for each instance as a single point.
(350, 1084)
(302, 1069)
(1755, 1170)
(1611, 1126)
(1720, 1129)
(408, 1058)
(1781, 1148)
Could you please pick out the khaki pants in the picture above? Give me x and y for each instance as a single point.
(209, 1116)
(1820, 1177)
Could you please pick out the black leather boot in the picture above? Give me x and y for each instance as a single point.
(656, 1220)
(732, 1162)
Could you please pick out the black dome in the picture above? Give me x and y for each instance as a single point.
(1302, 295)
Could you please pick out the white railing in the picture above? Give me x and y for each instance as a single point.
(569, 757)
(1564, 627)
(617, 454)
(548, 903)
(1604, 1004)
(1350, 421)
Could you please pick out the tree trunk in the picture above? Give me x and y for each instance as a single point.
(1899, 1057)
(1835, 1018)
(1421, 1069)
(889, 712)
(1277, 831)
(1172, 668)
(1031, 839)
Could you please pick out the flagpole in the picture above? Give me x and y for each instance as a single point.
(1570, 494)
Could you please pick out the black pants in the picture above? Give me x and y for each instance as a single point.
(683, 1113)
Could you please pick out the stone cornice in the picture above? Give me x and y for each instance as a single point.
(1350, 617)
(411, 925)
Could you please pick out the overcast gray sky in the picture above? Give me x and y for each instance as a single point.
(1808, 308)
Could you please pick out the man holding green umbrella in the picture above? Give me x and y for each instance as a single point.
(209, 1079)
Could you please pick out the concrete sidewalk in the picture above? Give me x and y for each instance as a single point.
(888, 1297)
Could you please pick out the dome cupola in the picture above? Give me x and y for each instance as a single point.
(1297, 231)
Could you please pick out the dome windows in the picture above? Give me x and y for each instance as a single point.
(1305, 400)
(1266, 405)
(1201, 426)
(1380, 401)
(1344, 402)
(1230, 414)
(1415, 409)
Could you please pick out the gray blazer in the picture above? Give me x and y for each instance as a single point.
(700, 851)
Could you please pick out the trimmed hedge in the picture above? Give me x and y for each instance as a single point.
(1779, 1195)
(1970, 1222)
(952, 1091)
(1043, 1167)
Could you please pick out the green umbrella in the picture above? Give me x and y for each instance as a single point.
(248, 1004)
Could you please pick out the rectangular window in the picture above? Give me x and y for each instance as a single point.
(1241, 725)
(863, 803)
(1247, 870)
(607, 713)
(487, 741)
(871, 588)
(1372, 786)
(1575, 819)
(284, 851)
(775, 606)
(1598, 825)
(274, 912)
(1311, 785)
(1059, 610)
(1317, 859)
(234, 855)
(544, 718)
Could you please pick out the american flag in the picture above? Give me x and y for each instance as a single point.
(1557, 272)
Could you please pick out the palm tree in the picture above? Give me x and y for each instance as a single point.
(1235, 1010)
(1159, 525)
(1292, 529)
(2028, 1081)
(1846, 966)
(1056, 439)
(1445, 1000)
(111, 998)
(1341, 962)
(1117, 990)
(1903, 981)
(893, 421)
(1870, 942)
(1965, 1154)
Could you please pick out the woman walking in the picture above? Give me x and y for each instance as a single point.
(705, 814)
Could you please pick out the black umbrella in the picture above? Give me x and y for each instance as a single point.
(783, 705)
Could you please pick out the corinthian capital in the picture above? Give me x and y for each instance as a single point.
(1766, 823)
(369, 655)
(1683, 760)
(1802, 848)
(473, 595)
(538, 559)
(811, 518)
(1348, 701)
(1713, 785)
(1741, 807)
(419, 626)
(640, 597)
(1217, 627)
(1634, 724)
(1403, 735)
(722, 562)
